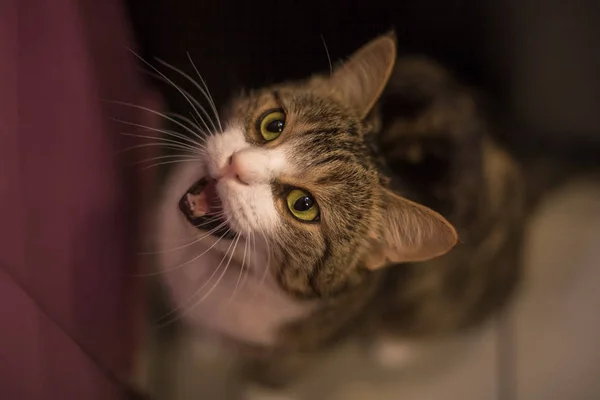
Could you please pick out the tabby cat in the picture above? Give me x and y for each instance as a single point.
(308, 217)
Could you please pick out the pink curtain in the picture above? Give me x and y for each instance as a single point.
(68, 230)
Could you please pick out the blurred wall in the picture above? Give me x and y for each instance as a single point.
(536, 60)
(549, 53)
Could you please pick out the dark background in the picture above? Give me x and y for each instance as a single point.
(536, 62)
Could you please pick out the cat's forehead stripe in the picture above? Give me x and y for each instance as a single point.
(334, 144)
(277, 97)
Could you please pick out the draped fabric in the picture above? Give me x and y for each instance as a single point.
(68, 222)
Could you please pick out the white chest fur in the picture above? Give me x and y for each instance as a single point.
(209, 290)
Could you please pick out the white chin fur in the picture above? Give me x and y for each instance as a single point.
(217, 294)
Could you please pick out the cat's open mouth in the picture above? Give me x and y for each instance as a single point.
(202, 207)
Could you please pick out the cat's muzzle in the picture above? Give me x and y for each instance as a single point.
(202, 207)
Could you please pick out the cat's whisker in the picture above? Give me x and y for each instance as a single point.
(328, 56)
(194, 124)
(186, 76)
(237, 239)
(162, 145)
(169, 156)
(267, 268)
(151, 111)
(197, 240)
(164, 271)
(168, 134)
(183, 152)
(168, 142)
(261, 283)
(215, 216)
(182, 308)
(169, 114)
(189, 98)
(253, 239)
(206, 129)
(207, 94)
(170, 82)
(219, 207)
(170, 137)
(241, 270)
(194, 118)
(177, 135)
(169, 162)
(222, 225)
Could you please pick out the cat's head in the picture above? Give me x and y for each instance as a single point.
(291, 165)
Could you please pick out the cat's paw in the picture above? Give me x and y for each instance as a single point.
(254, 392)
(393, 354)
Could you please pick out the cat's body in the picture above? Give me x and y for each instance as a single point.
(442, 155)
(280, 297)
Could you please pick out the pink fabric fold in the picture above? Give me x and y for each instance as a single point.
(69, 227)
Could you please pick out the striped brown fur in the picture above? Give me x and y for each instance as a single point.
(428, 141)
(396, 174)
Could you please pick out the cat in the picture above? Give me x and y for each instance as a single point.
(308, 217)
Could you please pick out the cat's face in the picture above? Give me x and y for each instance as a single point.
(291, 166)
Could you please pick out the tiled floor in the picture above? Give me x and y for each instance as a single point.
(547, 347)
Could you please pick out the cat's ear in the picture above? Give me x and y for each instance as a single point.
(411, 232)
(360, 81)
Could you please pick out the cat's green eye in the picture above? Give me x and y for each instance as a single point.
(302, 205)
(271, 125)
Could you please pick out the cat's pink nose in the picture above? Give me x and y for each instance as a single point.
(234, 169)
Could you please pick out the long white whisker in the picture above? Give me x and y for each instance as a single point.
(193, 259)
(170, 156)
(169, 137)
(328, 57)
(186, 76)
(163, 145)
(166, 132)
(194, 118)
(241, 271)
(199, 290)
(245, 278)
(223, 224)
(207, 93)
(192, 99)
(193, 124)
(170, 82)
(217, 215)
(213, 217)
(169, 162)
(266, 270)
(224, 270)
(162, 140)
(159, 114)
